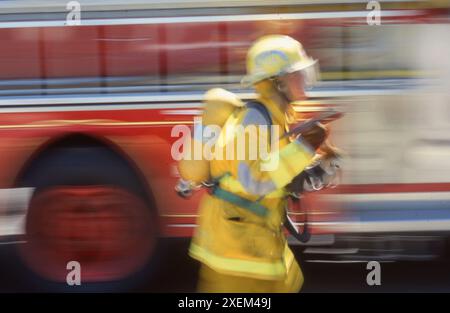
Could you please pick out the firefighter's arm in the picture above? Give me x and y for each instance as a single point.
(277, 169)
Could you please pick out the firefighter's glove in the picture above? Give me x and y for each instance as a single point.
(185, 188)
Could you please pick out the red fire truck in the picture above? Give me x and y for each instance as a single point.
(86, 113)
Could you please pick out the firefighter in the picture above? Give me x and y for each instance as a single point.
(240, 241)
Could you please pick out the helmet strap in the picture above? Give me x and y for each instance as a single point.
(281, 93)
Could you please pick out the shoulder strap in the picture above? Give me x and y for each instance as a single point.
(261, 109)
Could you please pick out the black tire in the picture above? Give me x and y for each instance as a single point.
(89, 166)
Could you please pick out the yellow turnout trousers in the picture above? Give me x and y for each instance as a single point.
(211, 281)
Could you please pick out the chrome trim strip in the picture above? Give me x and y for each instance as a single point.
(12, 6)
(182, 225)
(105, 107)
(381, 226)
(209, 19)
(331, 250)
(181, 112)
(393, 196)
(122, 98)
(15, 242)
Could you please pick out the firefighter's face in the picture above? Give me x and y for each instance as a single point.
(291, 85)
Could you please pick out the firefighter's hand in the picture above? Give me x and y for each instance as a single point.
(316, 135)
(296, 185)
(184, 188)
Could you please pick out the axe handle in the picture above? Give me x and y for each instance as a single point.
(311, 122)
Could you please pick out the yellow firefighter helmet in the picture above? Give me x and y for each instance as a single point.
(275, 55)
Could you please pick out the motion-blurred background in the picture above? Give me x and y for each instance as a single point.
(89, 92)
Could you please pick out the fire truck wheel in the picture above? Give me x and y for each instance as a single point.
(90, 225)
